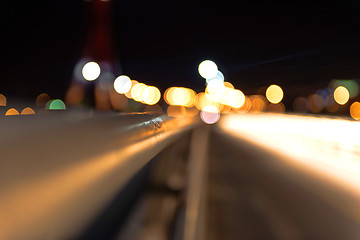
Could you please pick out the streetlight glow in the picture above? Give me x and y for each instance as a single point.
(91, 71)
(208, 69)
(274, 94)
(122, 84)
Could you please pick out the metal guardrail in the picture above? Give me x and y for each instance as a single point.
(59, 170)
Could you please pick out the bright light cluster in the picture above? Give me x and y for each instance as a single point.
(139, 92)
(219, 95)
(332, 99)
(143, 93)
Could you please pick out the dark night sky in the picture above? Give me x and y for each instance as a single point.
(298, 44)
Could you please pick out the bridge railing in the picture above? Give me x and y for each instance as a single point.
(59, 170)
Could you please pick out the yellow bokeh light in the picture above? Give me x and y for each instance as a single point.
(225, 98)
(341, 95)
(137, 92)
(355, 110)
(215, 89)
(152, 95)
(128, 93)
(228, 85)
(12, 111)
(27, 111)
(166, 96)
(180, 96)
(230, 97)
(236, 98)
(226, 109)
(274, 94)
(202, 100)
(2, 100)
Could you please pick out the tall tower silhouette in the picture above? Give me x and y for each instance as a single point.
(98, 47)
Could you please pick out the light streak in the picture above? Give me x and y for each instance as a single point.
(327, 147)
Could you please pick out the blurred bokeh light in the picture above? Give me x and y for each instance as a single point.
(11, 111)
(122, 84)
(180, 96)
(137, 92)
(91, 71)
(42, 99)
(27, 111)
(56, 104)
(152, 95)
(341, 95)
(2, 100)
(128, 93)
(274, 94)
(355, 110)
(208, 69)
(218, 76)
(210, 114)
(351, 85)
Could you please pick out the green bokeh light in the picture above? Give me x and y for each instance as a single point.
(56, 104)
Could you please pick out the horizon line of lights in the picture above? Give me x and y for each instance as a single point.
(218, 93)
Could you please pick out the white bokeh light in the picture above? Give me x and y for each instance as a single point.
(91, 71)
(208, 69)
(122, 84)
